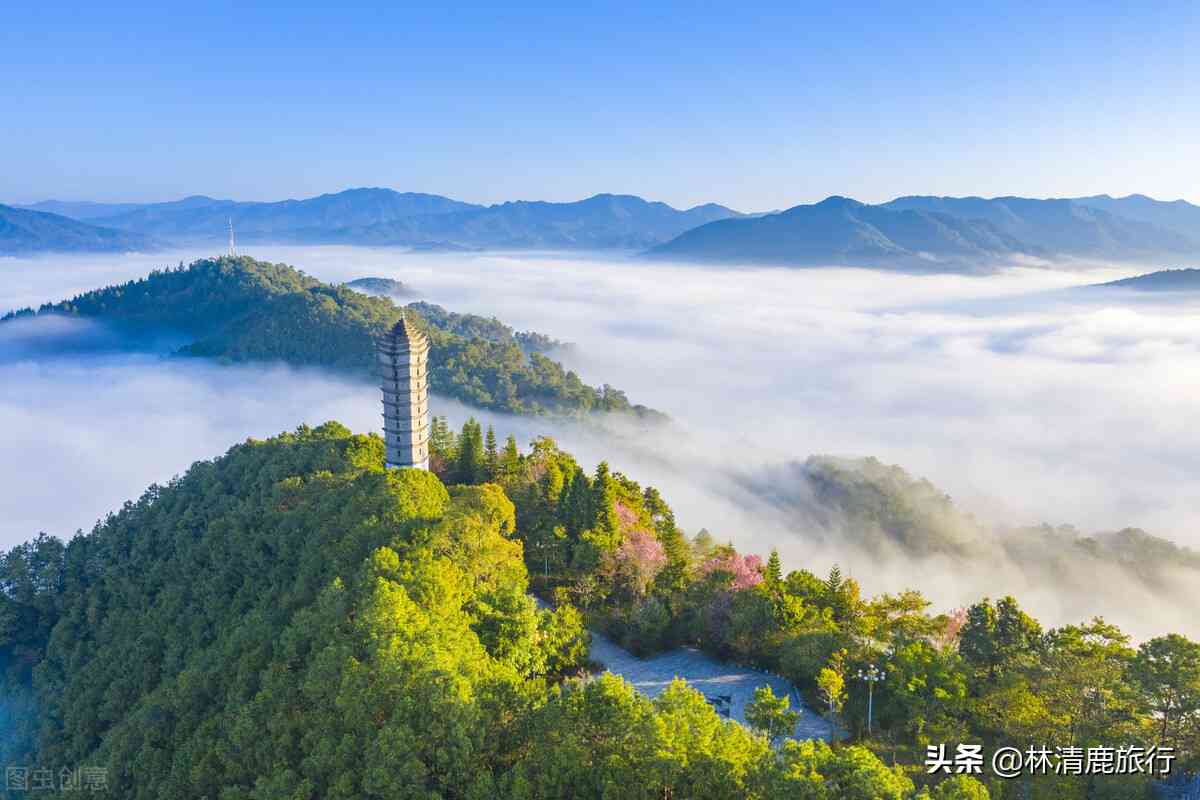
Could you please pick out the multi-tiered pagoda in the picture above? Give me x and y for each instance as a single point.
(403, 362)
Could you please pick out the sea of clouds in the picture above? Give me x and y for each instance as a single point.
(1026, 400)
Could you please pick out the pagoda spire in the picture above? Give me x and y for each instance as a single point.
(403, 354)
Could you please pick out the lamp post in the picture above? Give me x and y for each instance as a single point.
(872, 676)
(544, 546)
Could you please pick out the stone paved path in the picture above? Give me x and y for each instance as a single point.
(728, 687)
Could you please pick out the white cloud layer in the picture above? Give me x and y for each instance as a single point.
(1025, 401)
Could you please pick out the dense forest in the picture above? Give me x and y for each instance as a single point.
(239, 309)
(291, 620)
(988, 673)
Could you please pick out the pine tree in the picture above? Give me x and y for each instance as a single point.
(491, 455)
(553, 483)
(469, 468)
(774, 570)
(510, 460)
(441, 439)
(576, 513)
(603, 506)
(833, 584)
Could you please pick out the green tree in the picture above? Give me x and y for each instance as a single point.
(771, 715)
(576, 510)
(605, 525)
(1166, 672)
(926, 693)
(491, 455)
(510, 459)
(831, 684)
(960, 787)
(998, 638)
(441, 438)
(774, 573)
(812, 769)
(470, 466)
(1081, 676)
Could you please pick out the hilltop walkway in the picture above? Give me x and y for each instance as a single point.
(728, 687)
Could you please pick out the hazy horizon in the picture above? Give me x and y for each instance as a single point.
(588, 195)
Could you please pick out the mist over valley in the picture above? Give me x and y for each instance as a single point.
(1024, 400)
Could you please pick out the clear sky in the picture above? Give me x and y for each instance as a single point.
(750, 105)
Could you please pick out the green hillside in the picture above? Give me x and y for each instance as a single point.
(881, 508)
(239, 309)
(291, 621)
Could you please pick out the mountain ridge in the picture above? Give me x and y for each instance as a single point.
(602, 221)
(1178, 215)
(1059, 226)
(237, 309)
(380, 216)
(927, 233)
(25, 232)
(1164, 280)
(842, 231)
(911, 232)
(188, 219)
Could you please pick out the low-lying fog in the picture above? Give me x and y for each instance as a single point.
(1026, 402)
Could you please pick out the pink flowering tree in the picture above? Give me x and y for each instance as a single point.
(627, 518)
(637, 561)
(747, 571)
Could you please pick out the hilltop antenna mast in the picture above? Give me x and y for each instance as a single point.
(232, 245)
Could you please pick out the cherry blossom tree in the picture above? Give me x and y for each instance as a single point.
(747, 571)
(638, 560)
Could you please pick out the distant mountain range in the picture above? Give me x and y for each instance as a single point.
(843, 231)
(86, 209)
(1166, 280)
(24, 232)
(913, 233)
(204, 218)
(943, 233)
(426, 222)
(1061, 227)
(601, 222)
(1177, 215)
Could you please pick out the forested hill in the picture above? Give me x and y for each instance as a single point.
(240, 309)
(883, 510)
(291, 620)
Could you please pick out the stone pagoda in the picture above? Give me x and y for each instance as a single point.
(403, 361)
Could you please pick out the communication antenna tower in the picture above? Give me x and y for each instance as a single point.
(232, 245)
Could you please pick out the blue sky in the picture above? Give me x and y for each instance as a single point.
(755, 106)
